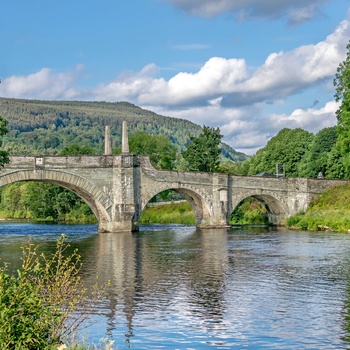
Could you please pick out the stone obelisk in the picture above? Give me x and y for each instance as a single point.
(125, 140)
(108, 149)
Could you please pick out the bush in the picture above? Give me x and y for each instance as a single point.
(38, 303)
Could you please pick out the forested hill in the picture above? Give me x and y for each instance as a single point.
(46, 127)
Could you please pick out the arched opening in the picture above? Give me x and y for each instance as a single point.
(258, 210)
(44, 201)
(250, 211)
(98, 201)
(173, 206)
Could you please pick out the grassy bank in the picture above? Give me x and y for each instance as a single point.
(76, 216)
(173, 213)
(329, 212)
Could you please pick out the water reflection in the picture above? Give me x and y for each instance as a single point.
(183, 288)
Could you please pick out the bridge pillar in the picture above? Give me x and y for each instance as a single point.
(218, 217)
(126, 195)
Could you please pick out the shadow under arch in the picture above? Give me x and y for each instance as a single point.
(96, 199)
(196, 201)
(276, 211)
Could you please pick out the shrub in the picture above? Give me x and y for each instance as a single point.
(37, 303)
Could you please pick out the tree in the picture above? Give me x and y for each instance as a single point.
(288, 147)
(4, 156)
(203, 152)
(158, 148)
(342, 94)
(75, 149)
(316, 158)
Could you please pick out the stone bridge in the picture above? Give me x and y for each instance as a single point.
(118, 188)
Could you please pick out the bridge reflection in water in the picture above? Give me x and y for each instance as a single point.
(144, 274)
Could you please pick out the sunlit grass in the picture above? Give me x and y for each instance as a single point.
(330, 211)
(171, 213)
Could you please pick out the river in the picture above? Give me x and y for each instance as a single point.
(176, 287)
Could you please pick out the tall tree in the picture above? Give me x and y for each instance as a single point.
(203, 152)
(4, 156)
(316, 158)
(342, 95)
(287, 148)
(161, 151)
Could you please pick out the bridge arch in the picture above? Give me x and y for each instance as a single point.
(196, 200)
(277, 210)
(96, 199)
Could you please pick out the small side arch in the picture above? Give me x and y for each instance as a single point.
(96, 199)
(276, 209)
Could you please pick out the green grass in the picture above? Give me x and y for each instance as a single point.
(330, 211)
(249, 212)
(174, 213)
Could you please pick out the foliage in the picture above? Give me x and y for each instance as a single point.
(316, 157)
(287, 148)
(237, 168)
(4, 156)
(38, 305)
(36, 200)
(249, 211)
(74, 150)
(46, 127)
(174, 213)
(329, 211)
(342, 94)
(335, 165)
(158, 148)
(203, 153)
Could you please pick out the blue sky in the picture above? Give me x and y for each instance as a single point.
(250, 67)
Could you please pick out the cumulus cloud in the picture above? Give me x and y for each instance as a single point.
(44, 84)
(296, 11)
(226, 82)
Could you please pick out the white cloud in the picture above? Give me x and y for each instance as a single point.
(44, 84)
(296, 11)
(227, 82)
(310, 119)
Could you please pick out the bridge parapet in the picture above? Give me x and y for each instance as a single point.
(30, 162)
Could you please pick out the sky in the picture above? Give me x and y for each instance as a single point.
(249, 67)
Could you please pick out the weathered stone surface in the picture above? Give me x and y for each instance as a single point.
(118, 188)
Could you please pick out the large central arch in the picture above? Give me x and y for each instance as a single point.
(199, 206)
(96, 199)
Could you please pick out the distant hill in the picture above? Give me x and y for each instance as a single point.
(46, 127)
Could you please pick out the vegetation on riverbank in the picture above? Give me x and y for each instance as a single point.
(44, 303)
(169, 213)
(250, 211)
(329, 212)
(43, 202)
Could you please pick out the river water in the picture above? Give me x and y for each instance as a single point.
(176, 287)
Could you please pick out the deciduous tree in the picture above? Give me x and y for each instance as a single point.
(161, 151)
(203, 152)
(342, 95)
(288, 148)
(4, 156)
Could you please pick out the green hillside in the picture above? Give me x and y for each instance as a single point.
(46, 127)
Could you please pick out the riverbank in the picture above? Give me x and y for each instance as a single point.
(329, 212)
(169, 213)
